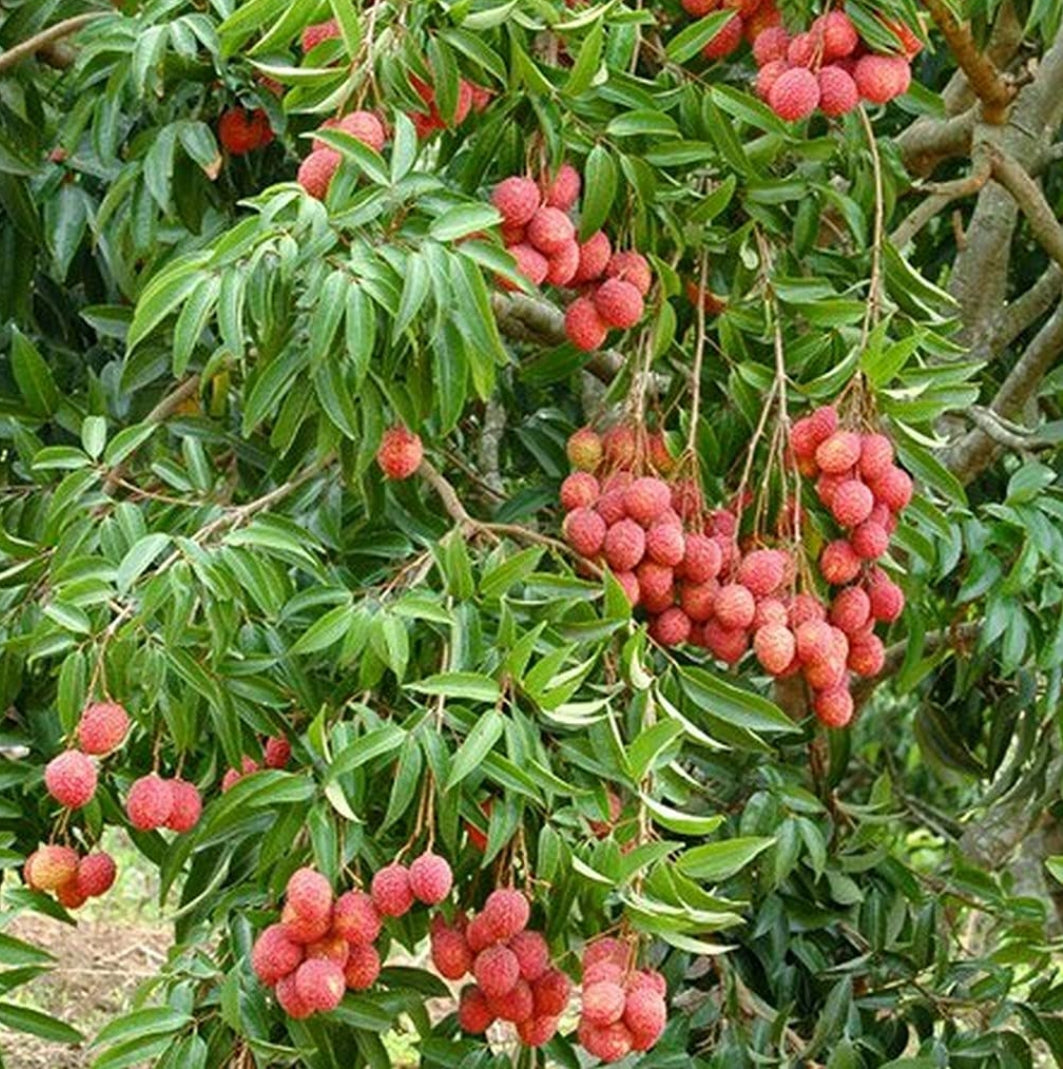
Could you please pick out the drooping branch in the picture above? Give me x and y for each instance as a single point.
(982, 74)
(1027, 193)
(941, 196)
(45, 39)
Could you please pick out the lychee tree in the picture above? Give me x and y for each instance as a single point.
(541, 522)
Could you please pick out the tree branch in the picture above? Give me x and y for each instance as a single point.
(942, 195)
(46, 38)
(929, 141)
(1027, 193)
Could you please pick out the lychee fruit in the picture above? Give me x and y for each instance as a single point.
(850, 610)
(774, 646)
(603, 1003)
(312, 36)
(537, 1031)
(241, 131)
(320, 984)
(701, 559)
(645, 1014)
(794, 94)
(699, 8)
(656, 586)
(584, 449)
(331, 946)
(274, 955)
(479, 933)
(619, 303)
(517, 200)
(50, 867)
(533, 954)
(551, 993)
(71, 779)
(430, 878)
(149, 802)
(506, 912)
(620, 443)
(400, 453)
(391, 890)
(839, 452)
(451, 955)
(473, 1013)
(886, 598)
(610, 1043)
(834, 707)
(561, 265)
(728, 644)
(767, 76)
(726, 40)
(633, 267)
(289, 999)
(516, 1005)
(530, 263)
(771, 45)
(735, 606)
(594, 254)
(585, 531)
(876, 456)
(277, 752)
(671, 628)
(665, 544)
(563, 192)
(880, 79)
(187, 806)
(867, 655)
(838, 94)
(316, 171)
(838, 563)
(309, 894)
(698, 599)
(102, 728)
(762, 571)
(646, 499)
(496, 970)
(584, 327)
(813, 641)
(629, 583)
(549, 230)
(625, 545)
(802, 50)
(839, 35)
(362, 967)
(579, 490)
(356, 918)
(893, 488)
(362, 125)
(804, 607)
(69, 896)
(96, 874)
(851, 503)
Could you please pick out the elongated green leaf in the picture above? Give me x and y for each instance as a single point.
(714, 862)
(478, 743)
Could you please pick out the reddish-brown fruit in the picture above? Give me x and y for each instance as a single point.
(551, 993)
(726, 40)
(805, 607)
(767, 76)
(451, 954)
(391, 890)
(400, 453)
(561, 265)
(886, 597)
(834, 707)
(735, 606)
(795, 94)
(274, 955)
(605, 949)
(356, 918)
(876, 456)
(620, 443)
(316, 171)
(610, 1043)
(671, 628)
(187, 806)
(70, 896)
(870, 540)
(645, 1014)
(839, 452)
(584, 449)
(496, 970)
(656, 586)
(838, 563)
(646, 500)
(532, 952)
(331, 946)
(362, 125)
(851, 503)
(603, 1003)
(893, 489)
(506, 912)
(762, 572)
(880, 79)
(320, 984)
(579, 490)
(309, 894)
(515, 1006)
(629, 582)
(96, 874)
(827, 673)
(770, 611)
(537, 1031)
(549, 230)
(563, 192)
(851, 610)
(362, 968)
(584, 327)
(633, 267)
(728, 644)
(304, 930)
(517, 200)
(149, 802)
(530, 263)
(625, 544)
(619, 303)
(277, 752)
(867, 655)
(701, 559)
(698, 599)
(289, 999)
(474, 1015)
(838, 94)
(802, 50)
(814, 641)
(71, 779)
(312, 36)
(594, 254)
(771, 45)
(648, 980)
(50, 867)
(430, 878)
(102, 728)
(774, 646)
(585, 531)
(241, 131)
(698, 9)
(839, 35)
(665, 544)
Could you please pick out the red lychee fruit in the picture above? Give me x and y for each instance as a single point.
(149, 802)
(584, 327)
(356, 918)
(804, 607)
(851, 503)
(838, 33)
(585, 531)
(728, 644)
(880, 79)
(289, 999)
(838, 94)
(309, 894)
(506, 911)
(320, 984)
(479, 933)
(802, 50)
(603, 1003)
(886, 597)
(770, 611)
(312, 36)
(187, 806)
(646, 500)
(537, 1031)
(277, 752)
(563, 192)
(834, 707)
(656, 586)
(619, 303)
(517, 200)
(451, 954)
(516, 1005)
(851, 610)
(839, 452)
(794, 94)
(876, 456)
(893, 489)
(647, 980)
(735, 606)
(529, 263)
(604, 949)
(241, 131)
(870, 540)
(774, 646)
(561, 265)
(533, 954)
(594, 254)
(620, 443)
(496, 970)
(813, 641)
(633, 267)
(102, 728)
(551, 992)
(274, 955)
(697, 600)
(69, 896)
(726, 40)
(699, 8)
(665, 544)
(767, 76)
(579, 490)
(50, 867)
(473, 1013)
(701, 559)
(363, 125)
(827, 673)
(838, 563)
(550, 230)
(625, 544)
(400, 453)
(867, 655)
(671, 628)
(96, 874)
(584, 449)
(430, 878)
(629, 582)
(610, 1043)
(316, 171)
(645, 1014)
(391, 890)
(362, 968)
(771, 45)
(71, 779)
(763, 571)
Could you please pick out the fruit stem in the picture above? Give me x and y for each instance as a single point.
(874, 293)
(699, 355)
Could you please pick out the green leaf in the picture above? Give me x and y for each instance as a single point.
(714, 862)
(93, 435)
(23, 1019)
(690, 41)
(463, 220)
(468, 685)
(599, 190)
(138, 558)
(478, 743)
(32, 376)
(734, 704)
(326, 631)
(373, 744)
(144, 1022)
(583, 71)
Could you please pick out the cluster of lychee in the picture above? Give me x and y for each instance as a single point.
(751, 17)
(323, 946)
(155, 802)
(622, 1009)
(276, 753)
(241, 131)
(316, 171)
(540, 235)
(829, 67)
(71, 877)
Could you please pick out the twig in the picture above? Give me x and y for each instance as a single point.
(447, 495)
(1027, 193)
(942, 195)
(1023, 440)
(45, 38)
(699, 355)
(874, 293)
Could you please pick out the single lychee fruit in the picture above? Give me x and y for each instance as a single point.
(479, 933)
(794, 94)
(356, 918)
(880, 79)
(579, 490)
(735, 606)
(646, 500)
(851, 610)
(550, 230)
(562, 264)
(774, 646)
(316, 171)
(671, 628)
(647, 980)
(728, 644)
(551, 993)
(610, 1043)
(312, 36)
(633, 267)
(149, 802)
(876, 456)
(867, 655)
(584, 327)
(533, 954)
(838, 94)
(585, 531)
(530, 263)
(804, 607)
(391, 890)
(886, 597)
(71, 779)
(771, 45)
(605, 949)
(289, 999)
(331, 946)
(656, 586)
(870, 540)
(620, 443)
(362, 125)
(473, 1013)
(516, 1005)
(594, 254)
(308, 893)
(320, 984)
(496, 970)
(839, 452)
(102, 727)
(50, 867)
(697, 600)
(430, 878)
(274, 955)
(96, 874)
(665, 544)
(537, 1031)
(701, 559)
(629, 583)
(362, 968)
(400, 453)
(506, 912)
(603, 1003)
(451, 955)
(625, 544)
(768, 75)
(851, 503)
(69, 896)
(763, 571)
(834, 707)
(619, 303)
(187, 806)
(802, 50)
(770, 611)
(563, 192)
(517, 200)
(893, 489)
(827, 673)
(277, 752)
(241, 131)
(726, 40)
(813, 641)
(839, 35)
(838, 563)
(803, 438)
(584, 449)
(646, 1014)
(699, 8)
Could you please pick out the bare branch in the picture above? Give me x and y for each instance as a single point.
(929, 141)
(45, 39)
(490, 442)
(942, 195)
(1027, 193)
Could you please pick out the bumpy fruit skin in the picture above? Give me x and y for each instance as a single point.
(516, 1005)
(312, 36)
(506, 912)
(840, 38)
(838, 563)
(584, 449)
(851, 610)
(530, 263)
(241, 131)
(585, 531)
(594, 254)
(277, 753)
(517, 199)
(603, 1003)
(356, 918)
(551, 993)
(671, 628)
(794, 95)
(474, 1014)
(728, 644)
(625, 545)
(646, 500)
(400, 453)
(726, 41)
(620, 443)
(867, 655)
(187, 806)
(430, 879)
(304, 930)
(308, 893)
(665, 544)
(698, 9)
(839, 452)
(496, 970)
(533, 954)
(851, 503)
(768, 75)
(876, 456)
(334, 947)
(149, 802)
(274, 955)
(701, 559)
(96, 874)
(451, 955)
(697, 600)
(814, 641)
(774, 646)
(647, 980)
(834, 707)
(52, 866)
(619, 303)
(887, 599)
(762, 571)
(735, 606)
(584, 327)
(320, 984)
(870, 540)
(771, 45)
(362, 968)
(102, 728)
(656, 586)
(563, 192)
(562, 265)
(880, 79)
(579, 490)
(633, 267)
(605, 949)
(391, 890)
(316, 171)
(802, 50)
(610, 1043)
(290, 1000)
(645, 1014)
(537, 1031)
(804, 607)
(549, 230)
(71, 779)
(69, 895)
(893, 489)
(363, 125)
(838, 94)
